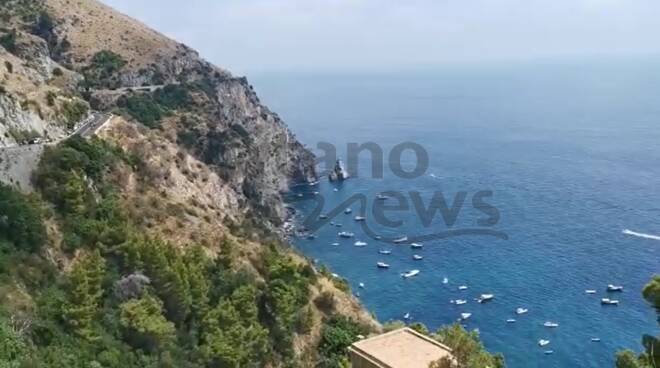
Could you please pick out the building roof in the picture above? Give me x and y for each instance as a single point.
(402, 348)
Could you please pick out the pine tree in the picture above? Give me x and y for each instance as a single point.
(85, 294)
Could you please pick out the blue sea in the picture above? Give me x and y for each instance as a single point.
(571, 154)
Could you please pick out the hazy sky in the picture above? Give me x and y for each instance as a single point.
(259, 35)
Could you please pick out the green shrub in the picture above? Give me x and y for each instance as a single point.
(172, 96)
(73, 112)
(57, 72)
(20, 220)
(142, 108)
(337, 335)
(102, 70)
(8, 41)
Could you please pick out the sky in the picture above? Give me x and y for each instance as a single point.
(248, 36)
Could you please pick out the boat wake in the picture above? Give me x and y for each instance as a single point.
(641, 235)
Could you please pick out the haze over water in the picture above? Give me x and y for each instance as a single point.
(571, 154)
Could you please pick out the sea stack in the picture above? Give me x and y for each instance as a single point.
(338, 173)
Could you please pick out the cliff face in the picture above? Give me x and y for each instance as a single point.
(108, 58)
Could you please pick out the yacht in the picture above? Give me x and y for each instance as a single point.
(417, 257)
(521, 310)
(463, 287)
(382, 265)
(590, 291)
(345, 234)
(323, 217)
(510, 320)
(347, 211)
(381, 197)
(360, 218)
(548, 352)
(400, 240)
(410, 273)
(416, 245)
(465, 316)
(595, 339)
(385, 251)
(361, 285)
(445, 280)
(360, 243)
(460, 301)
(485, 298)
(551, 324)
(335, 243)
(406, 316)
(543, 342)
(608, 301)
(611, 287)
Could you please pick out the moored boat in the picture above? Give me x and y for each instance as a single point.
(417, 257)
(463, 287)
(400, 240)
(345, 234)
(460, 301)
(347, 211)
(485, 298)
(382, 251)
(590, 291)
(521, 310)
(360, 218)
(608, 301)
(360, 243)
(410, 273)
(551, 324)
(416, 245)
(543, 342)
(465, 316)
(611, 287)
(382, 265)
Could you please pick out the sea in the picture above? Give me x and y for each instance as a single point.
(546, 181)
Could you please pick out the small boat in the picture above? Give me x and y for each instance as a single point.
(338, 225)
(551, 324)
(400, 240)
(345, 234)
(385, 251)
(382, 265)
(417, 257)
(311, 236)
(521, 311)
(548, 352)
(416, 246)
(360, 218)
(378, 237)
(361, 285)
(543, 342)
(510, 320)
(445, 280)
(360, 243)
(595, 339)
(332, 223)
(300, 195)
(590, 291)
(611, 287)
(608, 301)
(381, 197)
(347, 211)
(465, 316)
(336, 276)
(335, 243)
(410, 273)
(406, 316)
(485, 298)
(463, 287)
(323, 217)
(335, 190)
(460, 301)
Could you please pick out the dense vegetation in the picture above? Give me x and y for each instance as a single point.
(132, 300)
(103, 70)
(150, 108)
(650, 358)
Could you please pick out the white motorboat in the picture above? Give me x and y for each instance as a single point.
(345, 234)
(335, 243)
(548, 352)
(385, 251)
(445, 280)
(382, 265)
(416, 246)
(460, 301)
(406, 316)
(360, 218)
(347, 211)
(485, 298)
(465, 316)
(335, 190)
(410, 273)
(608, 301)
(323, 217)
(521, 311)
(463, 287)
(400, 240)
(360, 243)
(510, 320)
(611, 287)
(595, 339)
(417, 257)
(590, 291)
(381, 197)
(543, 342)
(336, 276)
(551, 324)
(361, 285)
